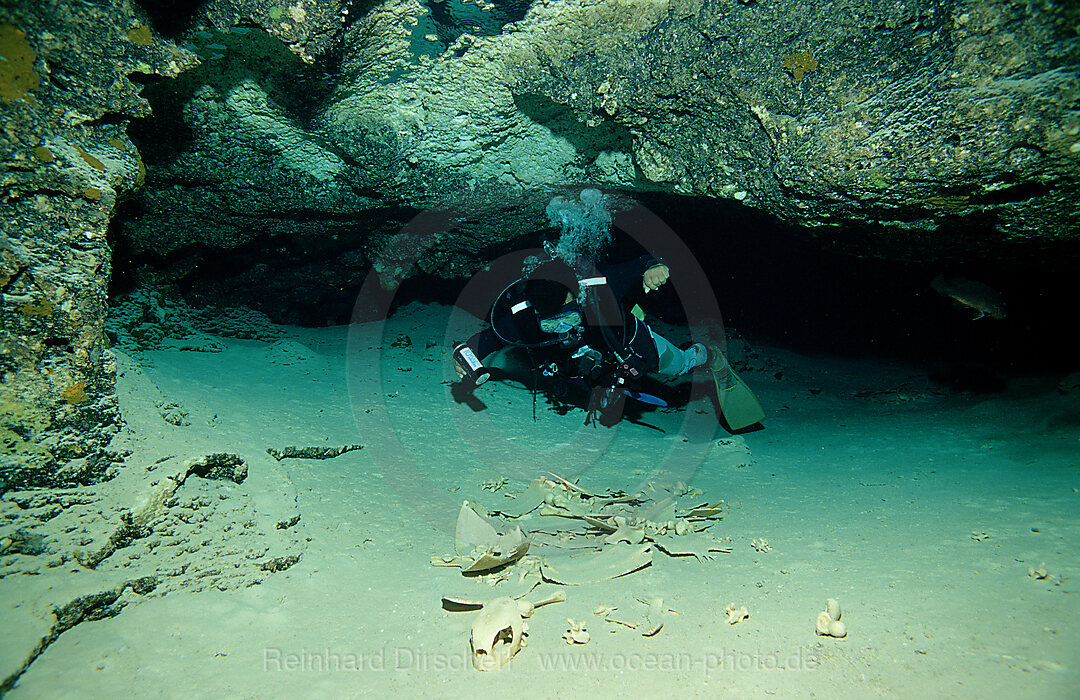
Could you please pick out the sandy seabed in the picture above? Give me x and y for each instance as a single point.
(924, 512)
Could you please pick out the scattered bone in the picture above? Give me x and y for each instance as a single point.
(697, 544)
(612, 536)
(631, 534)
(571, 486)
(480, 547)
(576, 634)
(660, 512)
(1041, 573)
(494, 485)
(576, 568)
(651, 623)
(708, 510)
(654, 617)
(531, 499)
(498, 632)
(624, 623)
(736, 615)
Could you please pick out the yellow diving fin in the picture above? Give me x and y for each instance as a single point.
(738, 405)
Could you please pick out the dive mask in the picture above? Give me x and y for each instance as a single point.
(562, 322)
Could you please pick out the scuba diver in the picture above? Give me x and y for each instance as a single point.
(571, 317)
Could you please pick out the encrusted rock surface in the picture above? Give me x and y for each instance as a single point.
(66, 99)
(321, 170)
(71, 555)
(929, 129)
(309, 28)
(204, 519)
(924, 124)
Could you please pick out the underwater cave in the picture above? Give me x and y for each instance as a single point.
(615, 312)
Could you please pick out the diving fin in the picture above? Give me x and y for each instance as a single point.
(738, 405)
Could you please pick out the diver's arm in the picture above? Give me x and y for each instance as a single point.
(625, 276)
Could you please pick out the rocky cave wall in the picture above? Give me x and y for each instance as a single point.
(944, 128)
(66, 96)
(291, 141)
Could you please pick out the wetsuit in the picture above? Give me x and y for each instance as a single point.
(609, 327)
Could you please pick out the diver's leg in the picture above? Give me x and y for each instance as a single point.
(675, 361)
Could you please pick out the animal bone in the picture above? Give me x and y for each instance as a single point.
(577, 634)
(480, 547)
(736, 615)
(498, 632)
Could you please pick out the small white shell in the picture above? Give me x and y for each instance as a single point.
(833, 608)
(823, 622)
(837, 629)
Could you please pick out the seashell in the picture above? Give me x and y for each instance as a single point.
(837, 629)
(833, 608)
(823, 622)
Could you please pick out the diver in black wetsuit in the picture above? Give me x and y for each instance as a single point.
(576, 314)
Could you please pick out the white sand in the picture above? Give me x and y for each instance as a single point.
(872, 500)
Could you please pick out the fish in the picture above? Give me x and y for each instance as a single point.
(985, 300)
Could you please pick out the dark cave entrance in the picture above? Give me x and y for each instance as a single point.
(775, 284)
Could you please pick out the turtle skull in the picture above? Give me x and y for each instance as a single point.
(497, 634)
